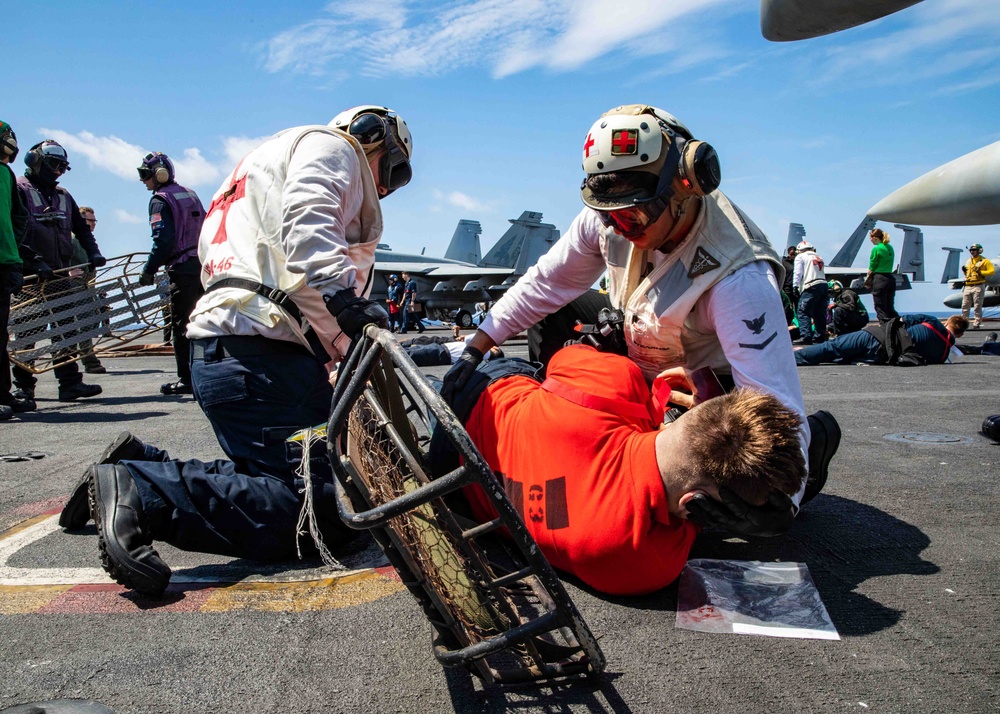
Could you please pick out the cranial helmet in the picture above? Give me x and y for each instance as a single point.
(375, 128)
(156, 166)
(976, 246)
(804, 245)
(643, 139)
(835, 286)
(8, 141)
(46, 161)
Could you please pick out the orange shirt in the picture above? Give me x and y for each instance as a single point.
(584, 479)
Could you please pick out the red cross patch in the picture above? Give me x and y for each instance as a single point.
(590, 147)
(624, 142)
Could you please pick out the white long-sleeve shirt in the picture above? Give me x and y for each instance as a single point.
(809, 270)
(311, 206)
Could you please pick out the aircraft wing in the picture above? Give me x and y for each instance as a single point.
(854, 278)
(440, 271)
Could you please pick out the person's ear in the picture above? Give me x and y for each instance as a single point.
(689, 496)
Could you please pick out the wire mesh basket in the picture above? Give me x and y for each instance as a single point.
(50, 319)
(494, 602)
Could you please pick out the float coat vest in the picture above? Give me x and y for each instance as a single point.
(50, 227)
(657, 326)
(189, 214)
(241, 238)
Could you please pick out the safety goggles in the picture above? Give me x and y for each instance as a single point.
(633, 221)
(394, 166)
(54, 159)
(145, 171)
(368, 129)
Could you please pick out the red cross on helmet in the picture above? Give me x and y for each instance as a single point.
(649, 148)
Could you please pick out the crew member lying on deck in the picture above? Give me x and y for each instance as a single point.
(906, 341)
(604, 492)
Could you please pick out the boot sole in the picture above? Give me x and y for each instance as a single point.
(122, 567)
(818, 476)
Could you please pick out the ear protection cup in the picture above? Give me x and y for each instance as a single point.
(162, 174)
(8, 141)
(699, 168)
(33, 156)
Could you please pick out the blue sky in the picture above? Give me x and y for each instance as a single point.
(499, 95)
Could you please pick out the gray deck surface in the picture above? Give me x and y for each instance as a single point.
(903, 545)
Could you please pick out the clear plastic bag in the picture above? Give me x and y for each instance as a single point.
(752, 598)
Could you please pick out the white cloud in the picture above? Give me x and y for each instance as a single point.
(509, 36)
(194, 169)
(105, 152)
(123, 216)
(461, 200)
(236, 147)
(937, 40)
(121, 158)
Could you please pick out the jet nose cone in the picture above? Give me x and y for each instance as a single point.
(963, 192)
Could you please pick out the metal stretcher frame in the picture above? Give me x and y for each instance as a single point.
(49, 319)
(495, 604)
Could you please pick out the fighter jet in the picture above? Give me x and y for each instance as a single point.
(963, 192)
(788, 20)
(911, 256)
(950, 275)
(449, 288)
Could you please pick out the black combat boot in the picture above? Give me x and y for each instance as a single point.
(76, 513)
(123, 535)
(823, 444)
(78, 391)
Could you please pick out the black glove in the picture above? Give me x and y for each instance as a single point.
(737, 516)
(43, 271)
(354, 313)
(146, 279)
(15, 279)
(97, 261)
(796, 294)
(458, 376)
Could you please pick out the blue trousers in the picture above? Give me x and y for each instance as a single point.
(246, 506)
(852, 347)
(812, 312)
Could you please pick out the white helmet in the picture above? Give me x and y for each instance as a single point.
(376, 127)
(805, 245)
(644, 139)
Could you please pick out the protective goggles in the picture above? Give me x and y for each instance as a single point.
(54, 158)
(633, 221)
(394, 167)
(146, 171)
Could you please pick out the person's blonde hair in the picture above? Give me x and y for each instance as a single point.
(747, 441)
(957, 325)
(880, 234)
(86, 209)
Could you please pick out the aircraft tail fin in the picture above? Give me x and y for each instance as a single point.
(911, 257)
(464, 245)
(796, 232)
(951, 266)
(849, 251)
(523, 244)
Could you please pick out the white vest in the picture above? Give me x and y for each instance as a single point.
(241, 238)
(658, 327)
